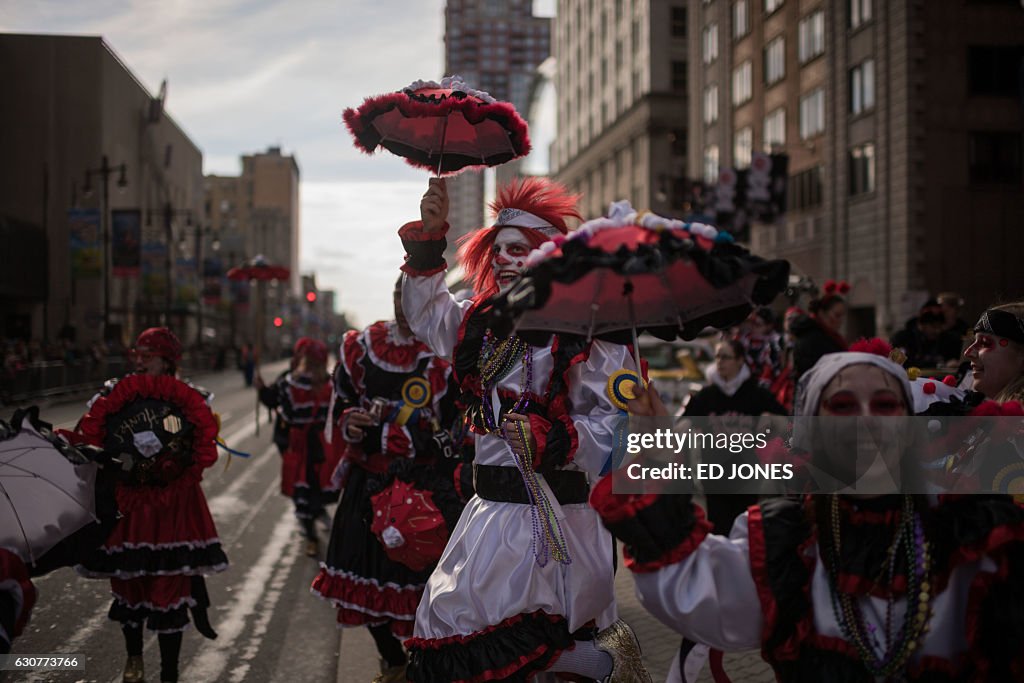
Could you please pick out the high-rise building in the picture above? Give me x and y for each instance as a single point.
(496, 46)
(902, 121)
(257, 214)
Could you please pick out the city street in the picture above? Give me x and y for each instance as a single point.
(270, 627)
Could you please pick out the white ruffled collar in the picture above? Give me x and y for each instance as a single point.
(728, 387)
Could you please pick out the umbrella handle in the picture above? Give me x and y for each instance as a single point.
(444, 135)
(636, 355)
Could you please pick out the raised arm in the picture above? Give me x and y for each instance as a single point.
(433, 313)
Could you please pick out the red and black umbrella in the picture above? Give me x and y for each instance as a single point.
(259, 270)
(615, 277)
(442, 127)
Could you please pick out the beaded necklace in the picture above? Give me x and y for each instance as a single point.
(548, 541)
(496, 361)
(898, 645)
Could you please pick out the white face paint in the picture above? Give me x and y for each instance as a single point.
(509, 257)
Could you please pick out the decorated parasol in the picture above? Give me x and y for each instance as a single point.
(156, 427)
(618, 276)
(260, 271)
(442, 127)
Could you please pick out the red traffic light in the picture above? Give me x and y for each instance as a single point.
(278, 321)
(310, 297)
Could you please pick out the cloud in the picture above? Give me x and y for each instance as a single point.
(350, 239)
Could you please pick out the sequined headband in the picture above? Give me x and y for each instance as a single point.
(1001, 324)
(517, 218)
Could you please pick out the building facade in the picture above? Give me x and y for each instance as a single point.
(82, 136)
(257, 214)
(496, 46)
(621, 78)
(902, 122)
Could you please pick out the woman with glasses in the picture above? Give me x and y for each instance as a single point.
(732, 391)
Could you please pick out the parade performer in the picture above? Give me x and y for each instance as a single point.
(832, 587)
(303, 395)
(17, 596)
(165, 541)
(527, 573)
(393, 392)
(997, 353)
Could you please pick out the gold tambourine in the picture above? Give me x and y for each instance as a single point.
(416, 394)
(621, 387)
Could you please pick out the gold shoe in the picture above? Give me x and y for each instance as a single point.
(134, 670)
(620, 642)
(312, 548)
(390, 674)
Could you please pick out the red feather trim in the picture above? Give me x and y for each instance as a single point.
(163, 387)
(360, 121)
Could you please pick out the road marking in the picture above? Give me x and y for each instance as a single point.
(212, 659)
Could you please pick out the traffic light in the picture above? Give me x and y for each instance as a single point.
(278, 321)
(311, 296)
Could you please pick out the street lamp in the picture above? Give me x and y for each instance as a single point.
(169, 213)
(104, 172)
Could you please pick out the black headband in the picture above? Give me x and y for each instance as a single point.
(1001, 324)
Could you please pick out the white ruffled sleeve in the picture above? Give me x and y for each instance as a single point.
(593, 414)
(710, 596)
(434, 315)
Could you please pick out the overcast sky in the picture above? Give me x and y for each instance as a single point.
(244, 75)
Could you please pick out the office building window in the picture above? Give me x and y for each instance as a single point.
(742, 88)
(742, 147)
(775, 61)
(994, 157)
(804, 190)
(711, 164)
(860, 12)
(775, 130)
(740, 18)
(862, 87)
(811, 36)
(678, 22)
(994, 69)
(812, 113)
(862, 169)
(710, 104)
(709, 43)
(771, 5)
(679, 76)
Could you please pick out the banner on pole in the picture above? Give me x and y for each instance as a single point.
(86, 247)
(126, 242)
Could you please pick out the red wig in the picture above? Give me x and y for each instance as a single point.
(543, 198)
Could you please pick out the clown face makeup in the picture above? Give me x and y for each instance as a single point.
(509, 257)
(995, 362)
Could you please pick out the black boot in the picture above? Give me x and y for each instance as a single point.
(199, 615)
